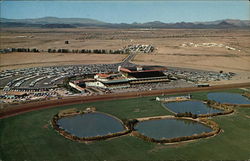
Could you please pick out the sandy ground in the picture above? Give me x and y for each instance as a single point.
(168, 43)
(26, 60)
(79, 38)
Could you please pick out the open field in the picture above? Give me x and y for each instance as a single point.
(30, 137)
(28, 60)
(168, 42)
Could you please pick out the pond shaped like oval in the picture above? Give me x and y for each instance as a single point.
(232, 98)
(90, 124)
(170, 128)
(195, 107)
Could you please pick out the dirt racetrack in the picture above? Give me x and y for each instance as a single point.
(23, 108)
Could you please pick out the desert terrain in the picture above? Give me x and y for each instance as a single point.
(28, 60)
(174, 47)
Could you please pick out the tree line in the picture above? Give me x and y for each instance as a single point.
(62, 50)
(95, 51)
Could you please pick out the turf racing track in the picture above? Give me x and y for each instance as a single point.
(23, 108)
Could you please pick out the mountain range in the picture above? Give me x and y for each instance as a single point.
(54, 22)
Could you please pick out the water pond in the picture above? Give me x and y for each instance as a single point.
(170, 128)
(232, 98)
(195, 107)
(90, 124)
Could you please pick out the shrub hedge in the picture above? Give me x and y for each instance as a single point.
(129, 126)
(210, 123)
(83, 139)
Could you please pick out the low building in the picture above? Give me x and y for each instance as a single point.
(95, 84)
(78, 88)
(174, 99)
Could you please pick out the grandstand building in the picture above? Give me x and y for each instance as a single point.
(144, 74)
(112, 81)
(125, 77)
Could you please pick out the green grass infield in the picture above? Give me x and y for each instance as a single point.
(30, 137)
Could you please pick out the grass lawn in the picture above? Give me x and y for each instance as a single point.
(30, 137)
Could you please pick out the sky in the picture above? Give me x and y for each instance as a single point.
(129, 11)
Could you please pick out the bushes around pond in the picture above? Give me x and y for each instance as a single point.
(129, 126)
(130, 123)
(186, 114)
(213, 125)
(202, 118)
(72, 112)
(227, 108)
(246, 94)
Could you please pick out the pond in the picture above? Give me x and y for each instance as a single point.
(170, 128)
(90, 124)
(195, 107)
(231, 98)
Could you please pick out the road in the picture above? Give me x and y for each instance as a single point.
(126, 61)
(23, 108)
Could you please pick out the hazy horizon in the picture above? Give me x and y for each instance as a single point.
(129, 11)
(123, 22)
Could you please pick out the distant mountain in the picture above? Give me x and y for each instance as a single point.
(57, 26)
(54, 22)
(229, 21)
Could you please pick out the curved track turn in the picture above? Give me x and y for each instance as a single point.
(23, 108)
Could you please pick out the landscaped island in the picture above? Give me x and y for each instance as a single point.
(89, 125)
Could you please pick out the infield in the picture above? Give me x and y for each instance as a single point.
(30, 137)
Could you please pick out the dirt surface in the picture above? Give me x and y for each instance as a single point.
(27, 60)
(23, 108)
(168, 43)
(79, 38)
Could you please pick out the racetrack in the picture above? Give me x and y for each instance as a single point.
(23, 108)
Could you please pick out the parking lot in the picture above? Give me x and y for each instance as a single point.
(41, 83)
(48, 77)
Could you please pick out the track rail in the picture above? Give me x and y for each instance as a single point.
(23, 108)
